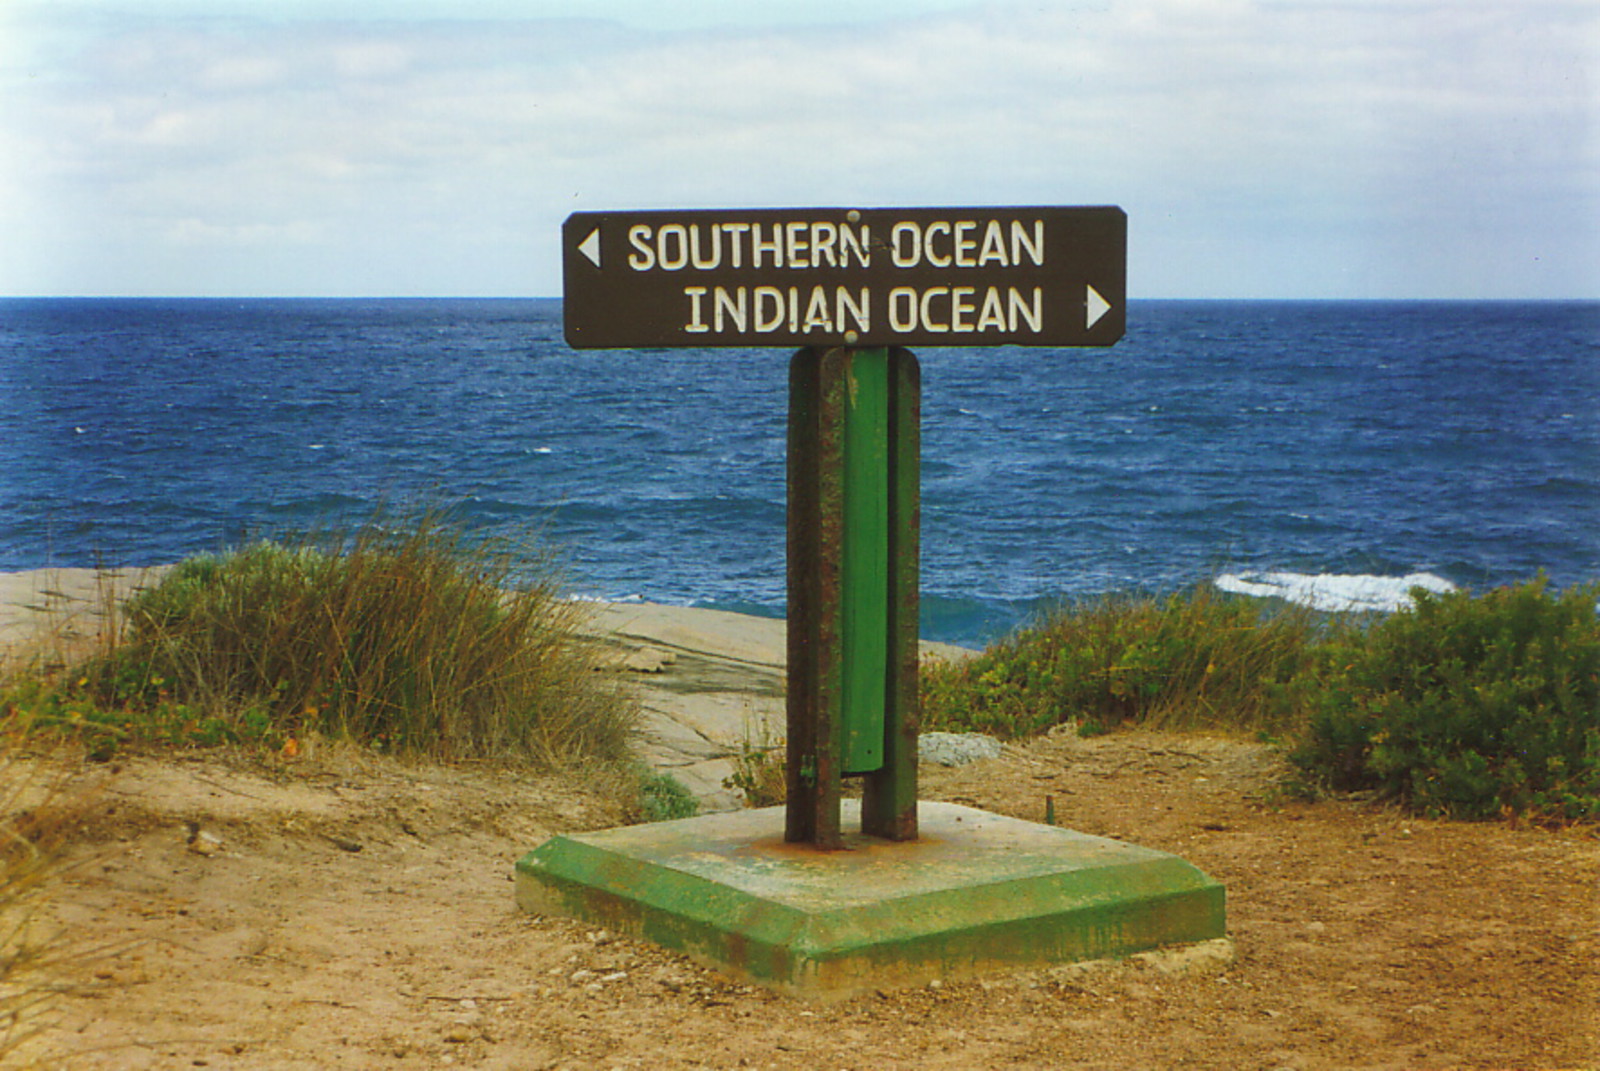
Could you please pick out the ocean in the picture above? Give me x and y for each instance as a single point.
(1334, 452)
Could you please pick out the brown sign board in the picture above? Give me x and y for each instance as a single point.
(846, 277)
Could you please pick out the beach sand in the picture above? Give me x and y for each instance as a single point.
(347, 910)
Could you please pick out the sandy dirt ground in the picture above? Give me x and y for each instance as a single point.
(347, 912)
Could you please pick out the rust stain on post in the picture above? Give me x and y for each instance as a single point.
(815, 456)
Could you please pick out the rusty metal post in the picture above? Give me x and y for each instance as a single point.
(815, 531)
(854, 442)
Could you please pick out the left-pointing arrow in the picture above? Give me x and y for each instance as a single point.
(590, 247)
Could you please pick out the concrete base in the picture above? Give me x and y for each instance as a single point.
(976, 892)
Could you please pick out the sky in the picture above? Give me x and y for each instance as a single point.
(1261, 148)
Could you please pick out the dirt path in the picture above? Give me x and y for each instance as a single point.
(243, 929)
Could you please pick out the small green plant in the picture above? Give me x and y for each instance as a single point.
(663, 797)
(760, 767)
(1468, 706)
(1198, 659)
(69, 710)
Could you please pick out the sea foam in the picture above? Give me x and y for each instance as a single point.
(1333, 592)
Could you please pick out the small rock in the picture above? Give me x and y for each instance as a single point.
(582, 974)
(647, 660)
(956, 749)
(457, 1034)
(614, 976)
(204, 842)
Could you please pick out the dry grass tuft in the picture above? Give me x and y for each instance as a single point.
(406, 635)
(41, 804)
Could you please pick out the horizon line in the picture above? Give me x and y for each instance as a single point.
(559, 297)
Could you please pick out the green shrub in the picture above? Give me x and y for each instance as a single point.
(1191, 660)
(404, 636)
(67, 708)
(663, 797)
(1468, 706)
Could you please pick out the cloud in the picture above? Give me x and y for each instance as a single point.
(1340, 149)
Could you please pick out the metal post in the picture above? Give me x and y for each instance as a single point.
(854, 441)
(816, 464)
(889, 800)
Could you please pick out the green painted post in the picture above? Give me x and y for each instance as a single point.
(889, 796)
(864, 577)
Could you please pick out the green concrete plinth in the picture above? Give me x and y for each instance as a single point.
(976, 892)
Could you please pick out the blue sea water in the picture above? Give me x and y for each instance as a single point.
(1339, 442)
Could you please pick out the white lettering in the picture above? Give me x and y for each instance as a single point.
(823, 237)
(1019, 242)
(857, 310)
(765, 294)
(902, 309)
(795, 244)
(818, 315)
(774, 246)
(860, 242)
(943, 310)
(994, 313)
(639, 238)
(1034, 313)
(959, 309)
(901, 256)
(672, 261)
(733, 306)
(696, 322)
(928, 322)
(804, 245)
(708, 261)
(964, 244)
(994, 245)
(736, 233)
(936, 227)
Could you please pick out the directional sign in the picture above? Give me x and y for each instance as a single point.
(846, 277)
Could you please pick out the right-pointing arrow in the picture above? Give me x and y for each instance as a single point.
(1095, 307)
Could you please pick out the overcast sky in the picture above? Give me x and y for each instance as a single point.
(1298, 148)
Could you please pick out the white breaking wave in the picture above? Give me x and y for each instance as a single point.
(1333, 592)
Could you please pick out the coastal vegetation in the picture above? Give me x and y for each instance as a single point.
(1465, 705)
(405, 635)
